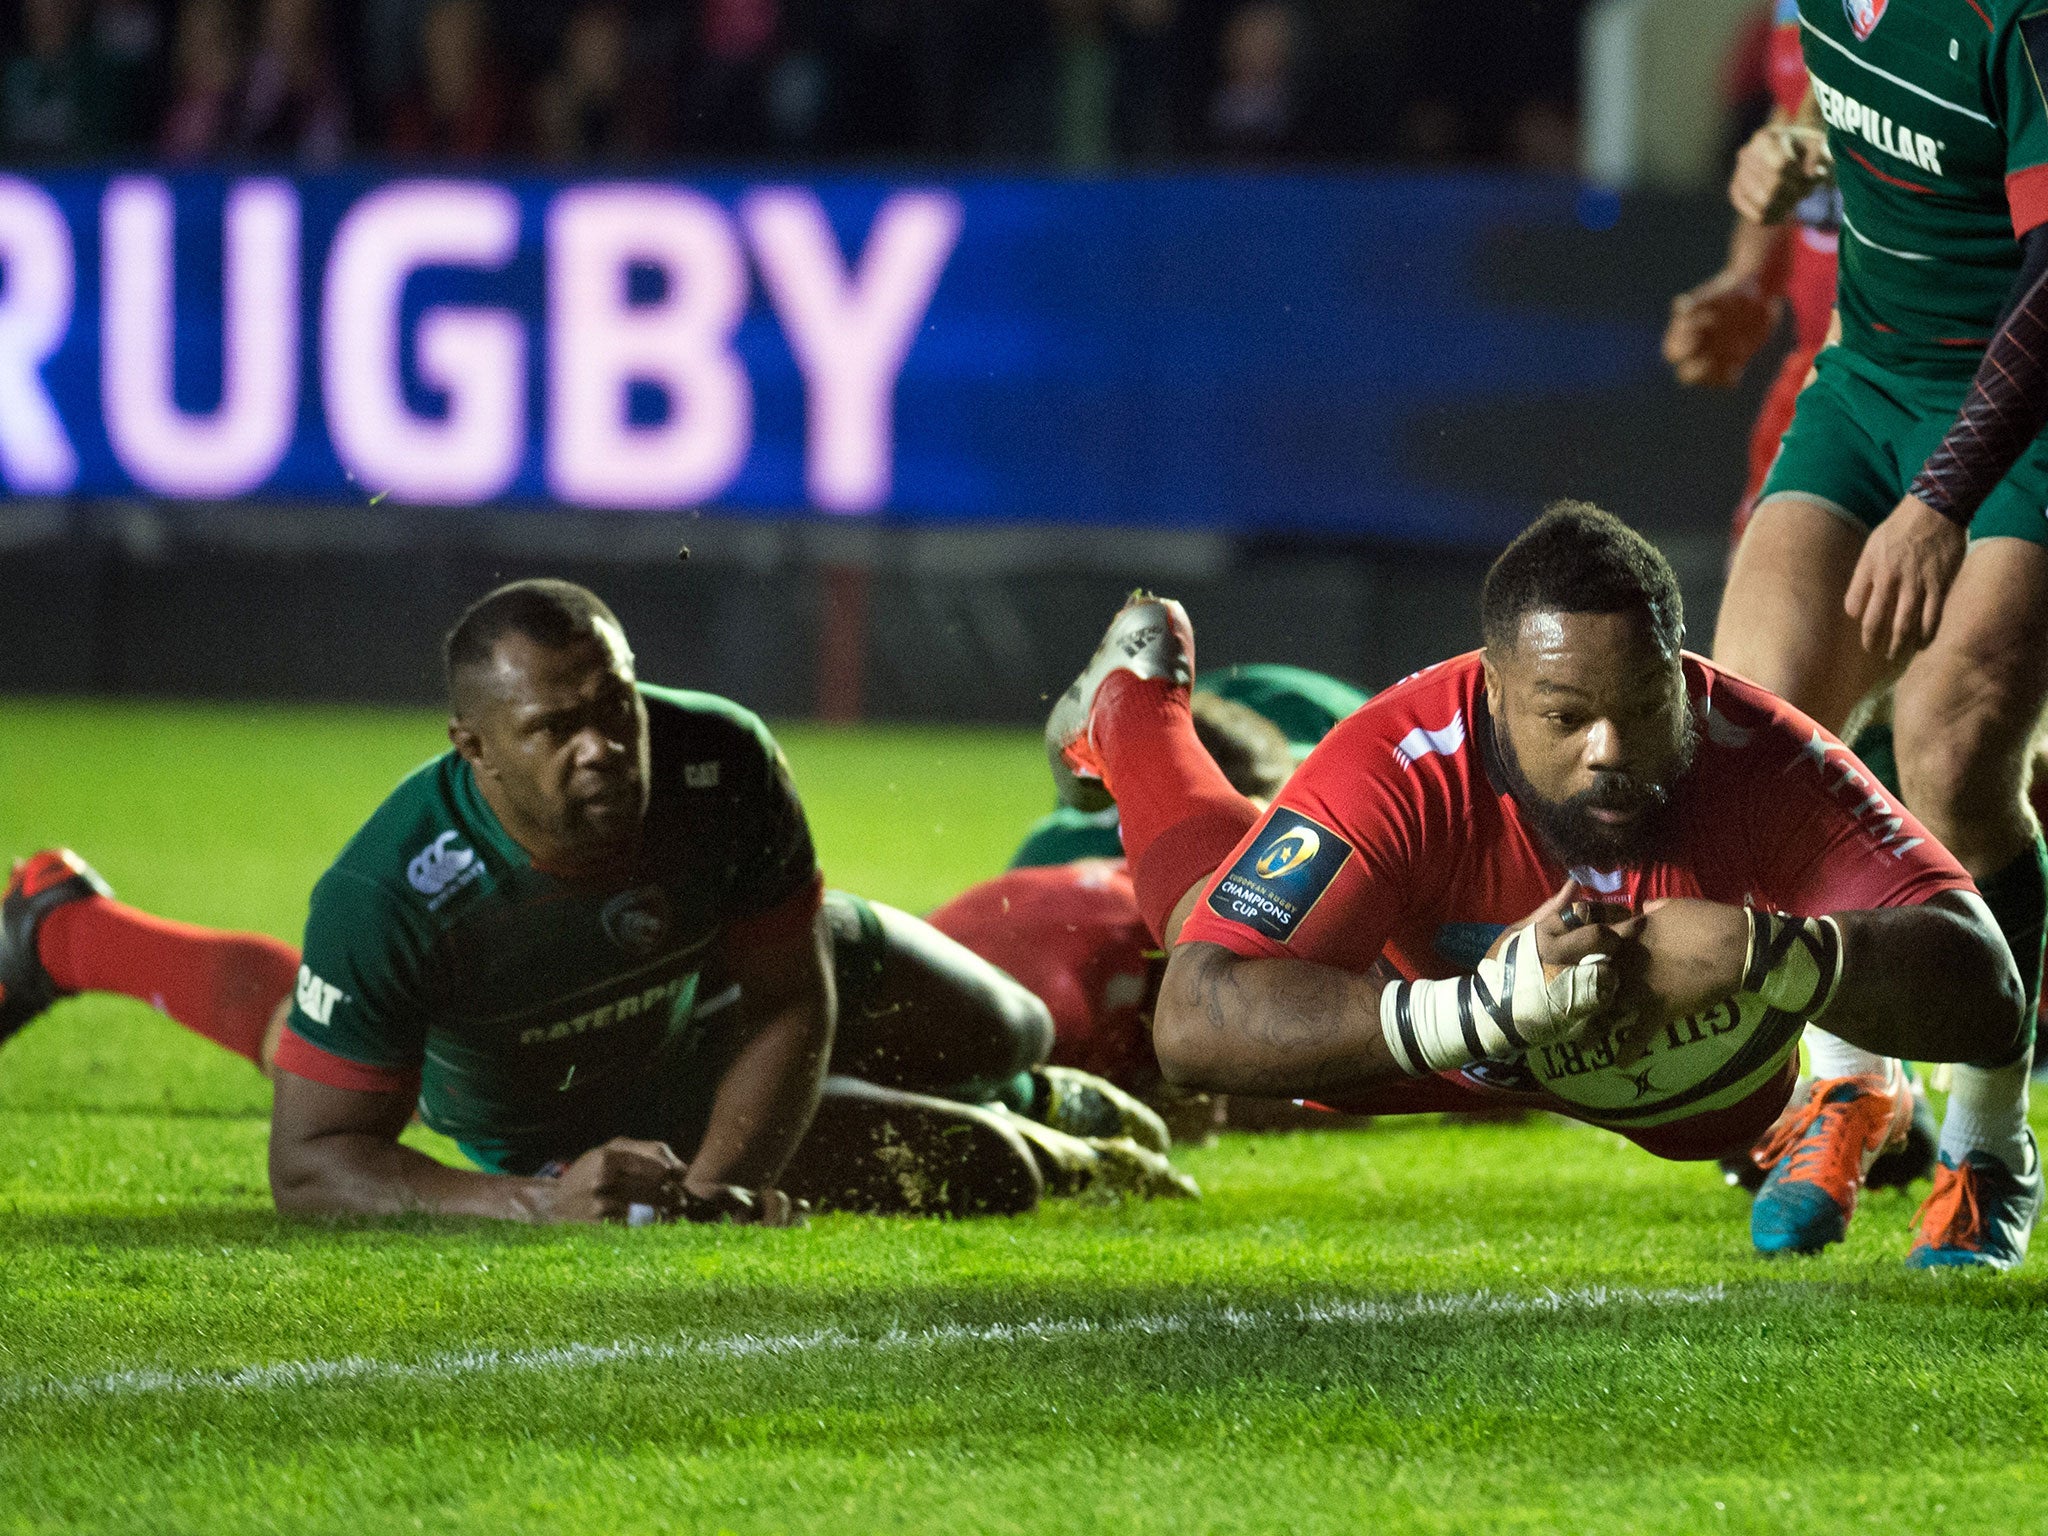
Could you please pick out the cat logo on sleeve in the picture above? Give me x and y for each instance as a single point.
(1281, 876)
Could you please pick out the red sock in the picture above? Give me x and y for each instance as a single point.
(1180, 815)
(224, 986)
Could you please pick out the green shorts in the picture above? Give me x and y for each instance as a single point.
(1861, 433)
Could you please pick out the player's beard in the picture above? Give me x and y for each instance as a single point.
(1569, 829)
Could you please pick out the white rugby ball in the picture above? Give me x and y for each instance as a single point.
(1642, 1077)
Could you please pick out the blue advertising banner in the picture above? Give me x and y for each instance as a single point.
(1233, 352)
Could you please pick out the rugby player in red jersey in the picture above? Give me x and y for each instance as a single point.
(1577, 858)
(1072, 934)
(1718, 327)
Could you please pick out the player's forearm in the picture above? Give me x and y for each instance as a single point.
(1760, 254)
(767, 1097)
(365, 1175)
(1288, 1027)
(1927, 983)
(2005, 410)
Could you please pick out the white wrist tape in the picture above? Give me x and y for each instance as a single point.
(1500, 1010)
(1795, 963)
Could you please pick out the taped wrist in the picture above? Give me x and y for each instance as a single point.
(1795, 963)
(1435, 1026)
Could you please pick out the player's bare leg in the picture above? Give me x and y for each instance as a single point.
(1781, 623)
(921, 1012)
(1967, 709)
(883, 1151)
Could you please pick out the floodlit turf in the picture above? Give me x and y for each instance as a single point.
(1415, 1328)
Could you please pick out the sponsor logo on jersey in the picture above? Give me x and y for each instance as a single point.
(1864, 15)
(1862, 794)
(700, 775)
(316, 998)
(638, 920)
(1279, 879)
(441, 869)
(658, 999)
(1422, 741)
(1845, 114)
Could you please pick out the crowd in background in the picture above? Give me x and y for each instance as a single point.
(1076, 83)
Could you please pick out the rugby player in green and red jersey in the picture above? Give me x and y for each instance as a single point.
(1901, 530)
(592, 945)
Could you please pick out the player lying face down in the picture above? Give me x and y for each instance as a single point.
(591, 945)
(1580, 868)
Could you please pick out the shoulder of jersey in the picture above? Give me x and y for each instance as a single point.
(1425, 715)
(703, 728)
(414, 845)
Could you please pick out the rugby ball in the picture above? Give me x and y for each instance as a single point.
(1637, 1076)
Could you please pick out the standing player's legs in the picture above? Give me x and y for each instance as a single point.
(1782, 625)
(61, 932)
(1967, 709)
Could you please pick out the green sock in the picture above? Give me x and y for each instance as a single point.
(2018, 898)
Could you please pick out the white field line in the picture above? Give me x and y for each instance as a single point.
(287, 1374)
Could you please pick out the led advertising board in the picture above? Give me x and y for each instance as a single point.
(1235, 352)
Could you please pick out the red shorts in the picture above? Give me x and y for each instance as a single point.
(1718, 1133)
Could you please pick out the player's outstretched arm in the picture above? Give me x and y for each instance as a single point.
(1932, 982)
(335, 1152)
(766, 1099)
(1782, 162)
(1238, 1024)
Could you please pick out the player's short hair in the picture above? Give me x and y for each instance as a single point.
(547, 612)
(1577, 559)
(1250, 749)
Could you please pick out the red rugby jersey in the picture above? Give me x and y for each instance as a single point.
(1072, 934)
(1395, 836)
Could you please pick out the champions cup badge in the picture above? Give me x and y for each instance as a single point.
(637, 921)
(1864, 15)
(1277, 880)
(1289, 853)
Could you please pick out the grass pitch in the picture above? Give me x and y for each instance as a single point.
(1415, 1328)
